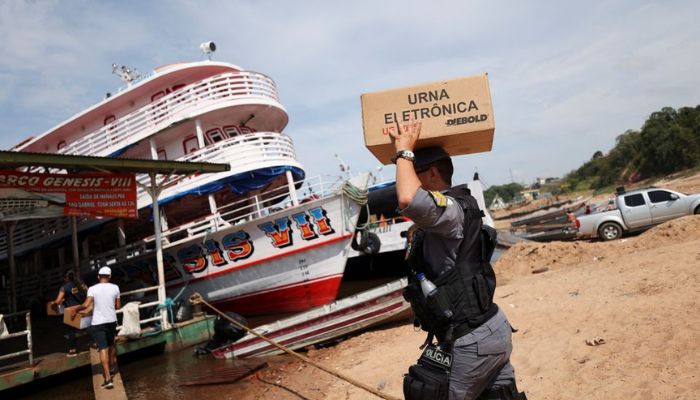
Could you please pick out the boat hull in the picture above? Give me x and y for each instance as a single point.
(288, 261)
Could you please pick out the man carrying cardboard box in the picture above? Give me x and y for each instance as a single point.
(451, 282)
(104, 297)
(71, 293)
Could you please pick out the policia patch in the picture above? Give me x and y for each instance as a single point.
(433, 355)
(429, 378)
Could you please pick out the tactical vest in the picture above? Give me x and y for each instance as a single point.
(464, 296)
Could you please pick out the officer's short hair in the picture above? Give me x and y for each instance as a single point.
(445, 169)
(435, 156)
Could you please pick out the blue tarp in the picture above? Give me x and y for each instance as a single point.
(241, 183)
(121, 151)
(381, 185)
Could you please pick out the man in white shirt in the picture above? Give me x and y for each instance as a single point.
(104, 297)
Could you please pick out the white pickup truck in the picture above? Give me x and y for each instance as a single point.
(638, 210)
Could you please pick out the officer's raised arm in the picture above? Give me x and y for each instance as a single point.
(421, 179)
(407, 182)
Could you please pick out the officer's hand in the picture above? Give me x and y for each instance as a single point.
(406, 134)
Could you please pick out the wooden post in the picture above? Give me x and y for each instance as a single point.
(74, 240)
(292, 189)
(200, 133)
(121, 233)
(10, 232)
(159, 251)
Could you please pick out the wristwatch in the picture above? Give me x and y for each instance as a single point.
(405, 154)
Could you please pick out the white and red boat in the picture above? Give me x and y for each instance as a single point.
(272, 261)
(247, 239)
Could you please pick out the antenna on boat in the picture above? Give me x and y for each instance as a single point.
(126, 74)
(344, 168)
(379, 177)
(208, 48)
(247, 120)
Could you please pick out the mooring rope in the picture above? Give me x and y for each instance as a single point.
(359, 196)
(196, 298)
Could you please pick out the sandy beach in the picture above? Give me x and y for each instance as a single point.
(639, 294)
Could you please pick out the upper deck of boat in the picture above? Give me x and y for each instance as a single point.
(163, 99)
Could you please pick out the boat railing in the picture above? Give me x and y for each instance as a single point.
(383, 225)
(138, 293)
(231, 214)
(172, 108)
(28, 232)
(26, 332)
(250, 208)
(242, 152)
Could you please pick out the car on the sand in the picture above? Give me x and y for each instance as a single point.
(638, 210)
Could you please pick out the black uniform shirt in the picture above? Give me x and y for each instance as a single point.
(72, 295)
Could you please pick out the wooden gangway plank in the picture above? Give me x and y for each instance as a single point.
(116, 393)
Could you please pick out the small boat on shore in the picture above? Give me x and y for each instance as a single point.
(342, 317)
(386, 228)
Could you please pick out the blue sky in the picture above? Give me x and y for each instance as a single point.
(566, 77)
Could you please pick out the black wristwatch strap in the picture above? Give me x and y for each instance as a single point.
(405, 154)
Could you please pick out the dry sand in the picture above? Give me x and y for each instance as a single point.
(640, 294)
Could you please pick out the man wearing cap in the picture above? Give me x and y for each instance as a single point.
(450, 248)
(104, 296)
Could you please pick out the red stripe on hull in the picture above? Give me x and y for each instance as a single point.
(289, 299)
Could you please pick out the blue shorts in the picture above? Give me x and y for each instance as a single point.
(104, 334)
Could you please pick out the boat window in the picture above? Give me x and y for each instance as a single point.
(245, 129)
(634, 200)
(162, 155)
(61, 145)
(659, 196)
(190, 144)
(179, 97)
(109, 119)
(232, 131)
(214, 136)
(157, 95)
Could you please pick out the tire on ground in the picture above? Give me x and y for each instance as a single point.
(610, 231)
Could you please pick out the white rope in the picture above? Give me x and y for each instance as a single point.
(359, 196)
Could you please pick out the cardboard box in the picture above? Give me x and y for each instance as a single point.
(81, 321)
(456, 115)
(53, 310)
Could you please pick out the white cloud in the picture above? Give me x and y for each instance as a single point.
(567, 78)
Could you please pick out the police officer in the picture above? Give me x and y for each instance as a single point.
(449, 242)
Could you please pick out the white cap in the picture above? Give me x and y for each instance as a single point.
(105, 271)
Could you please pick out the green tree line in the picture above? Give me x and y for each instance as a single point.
(669, 141)
(507, 192)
